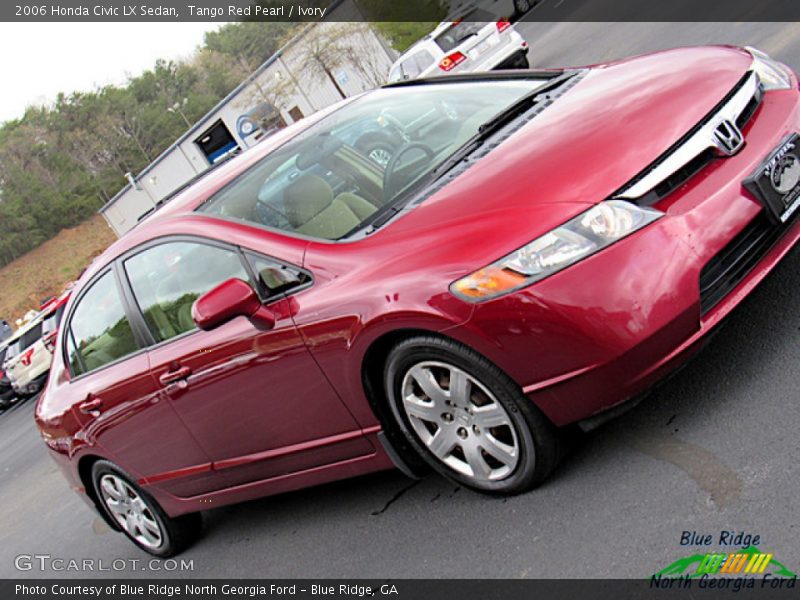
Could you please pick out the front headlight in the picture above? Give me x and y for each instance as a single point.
(772, 74)
(590, 232)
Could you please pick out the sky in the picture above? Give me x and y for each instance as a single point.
(38, 60)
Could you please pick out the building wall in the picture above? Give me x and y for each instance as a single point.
(169, 174)
(124, 213)
(290, 80)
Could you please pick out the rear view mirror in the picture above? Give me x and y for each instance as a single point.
(230, 299)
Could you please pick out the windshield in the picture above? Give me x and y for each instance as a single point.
(335, 176)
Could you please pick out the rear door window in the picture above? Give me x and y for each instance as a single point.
(99, 330)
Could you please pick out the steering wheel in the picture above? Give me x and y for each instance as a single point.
(389, 183)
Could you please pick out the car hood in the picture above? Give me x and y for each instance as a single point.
(617, 119)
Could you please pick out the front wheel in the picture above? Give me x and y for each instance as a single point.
(139, 516)
(466, 418)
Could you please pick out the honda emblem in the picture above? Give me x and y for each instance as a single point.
(728, 137)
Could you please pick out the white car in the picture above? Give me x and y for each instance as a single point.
(29, 356)
(513, 9)
(473, 42)
(7, 394)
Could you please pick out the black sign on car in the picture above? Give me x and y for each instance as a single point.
(776, 182)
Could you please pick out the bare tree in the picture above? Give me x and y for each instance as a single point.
(321, 52)
(360, 44)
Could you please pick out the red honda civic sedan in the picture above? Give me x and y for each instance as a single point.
(529, 250)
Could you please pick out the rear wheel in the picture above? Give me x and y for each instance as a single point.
(139, 516)
(466, 418)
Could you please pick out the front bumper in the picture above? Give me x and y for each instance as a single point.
(29, 388)
(588, 338)
(516, 60)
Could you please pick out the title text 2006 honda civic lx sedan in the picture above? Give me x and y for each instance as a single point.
(540, 247)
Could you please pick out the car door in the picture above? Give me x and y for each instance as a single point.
(113, 393)
(255, 400)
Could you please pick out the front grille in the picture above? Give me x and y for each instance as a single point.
(681, 172)
(728, 268)
(677, 179)
(748, 111)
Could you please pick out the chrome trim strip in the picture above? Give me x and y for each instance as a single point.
(698, 143)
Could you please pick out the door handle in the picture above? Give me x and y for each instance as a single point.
(91, 406)
(176, 375)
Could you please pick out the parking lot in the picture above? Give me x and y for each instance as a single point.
(712, 449)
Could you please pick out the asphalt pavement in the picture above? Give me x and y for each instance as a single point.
(713, 449)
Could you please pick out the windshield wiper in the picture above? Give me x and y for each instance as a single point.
(521, 106)
(497, 122)
(490, 127)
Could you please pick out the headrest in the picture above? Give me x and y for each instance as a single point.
(305, 198)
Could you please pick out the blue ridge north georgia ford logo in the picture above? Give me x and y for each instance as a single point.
(785, 173)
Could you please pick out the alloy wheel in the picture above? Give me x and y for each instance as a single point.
(522, 6)
(460, 421)
(131, 511)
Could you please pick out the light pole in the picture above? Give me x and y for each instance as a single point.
(176, 108)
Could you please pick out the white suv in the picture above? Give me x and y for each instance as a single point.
(474, 42)
(29, 356)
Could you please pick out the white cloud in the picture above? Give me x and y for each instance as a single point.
(38, 60)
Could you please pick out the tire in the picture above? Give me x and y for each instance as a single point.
(493, 439)
(522, 6)
(174, 534)
(7, 399)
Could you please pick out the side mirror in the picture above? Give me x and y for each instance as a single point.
(230, 299)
